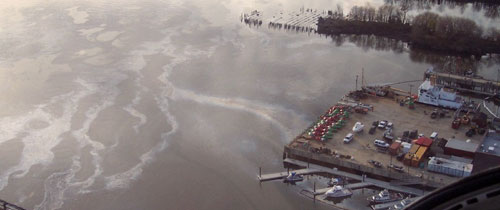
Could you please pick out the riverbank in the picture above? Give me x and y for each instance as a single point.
(408, 33)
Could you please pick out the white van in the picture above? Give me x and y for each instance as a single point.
(348, 138)
(380, 143)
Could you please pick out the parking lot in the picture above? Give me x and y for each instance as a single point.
(362, 146)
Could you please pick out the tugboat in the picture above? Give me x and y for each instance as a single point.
(338, 191)
(429, 93)
(384, 196)
(293, 177)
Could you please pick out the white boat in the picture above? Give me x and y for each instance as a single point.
(293, 177)
(335, 181)
(338, 191)
(385, 196)
(429, 93)
(358, 127)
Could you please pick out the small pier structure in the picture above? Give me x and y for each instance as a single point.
(349, 186)
(468, 84)
(371, 181)
(306, 20)
(280, 175)
(4, 205)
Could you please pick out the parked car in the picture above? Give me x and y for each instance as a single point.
(389, 125)
(434, 135)
(396, 167)
(348, 138)
(372, 129)
(380, 143)
(382, 124)
(375, 163)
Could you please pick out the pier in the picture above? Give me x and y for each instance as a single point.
(466, 84)
(4, 205)
(348, 186)
(370, 181)
(281, 175)
(390, 204)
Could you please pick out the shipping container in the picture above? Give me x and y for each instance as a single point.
(419, 155)
(410, 154)
(394, 148)
(449, 167)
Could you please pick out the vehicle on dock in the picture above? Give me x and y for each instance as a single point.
(348, 138)
(375, 163)
(380, 143)
(338, 191)
(293, 177)
(358, 127)
(382, 124)
(385, 196)
(396, 168)
(389, 125)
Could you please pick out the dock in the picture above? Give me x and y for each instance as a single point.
(475, 85)
(348, 186)
(4, 205)
(281, 175)
(372, 182)
(384, 206)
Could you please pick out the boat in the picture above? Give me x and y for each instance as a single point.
(358, 127)
(335, 181)
(432, 94)
(338, 191)
(293, 177)
(385, 196)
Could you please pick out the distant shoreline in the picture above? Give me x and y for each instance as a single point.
(403, 32)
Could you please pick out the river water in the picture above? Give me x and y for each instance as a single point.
(171, 104)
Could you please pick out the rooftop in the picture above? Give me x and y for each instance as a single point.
(490, 144)
(462, 145)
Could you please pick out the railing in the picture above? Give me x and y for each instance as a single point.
(4, 205)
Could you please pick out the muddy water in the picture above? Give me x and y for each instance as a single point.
(168, 104)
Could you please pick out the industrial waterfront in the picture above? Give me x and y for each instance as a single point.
(177, 104)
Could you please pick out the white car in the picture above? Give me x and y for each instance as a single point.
(382, 124)
(434, 135)
(380, 143)
(358, 127)
(348, 138)
(389, 125)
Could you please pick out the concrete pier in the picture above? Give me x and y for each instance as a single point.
(374, 182)
(349, 186)
(273, 176)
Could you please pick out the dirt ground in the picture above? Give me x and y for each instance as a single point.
(403, 118)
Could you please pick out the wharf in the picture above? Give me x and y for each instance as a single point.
(4, 205)
(384, 206)
(348, 186)
(273, 176)
(354, 156)
(465, 83)
(372, 182)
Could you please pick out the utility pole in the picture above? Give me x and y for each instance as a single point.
(356, 82)
(411, 86)
(362, 77)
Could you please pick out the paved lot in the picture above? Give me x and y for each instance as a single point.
(362, 147)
